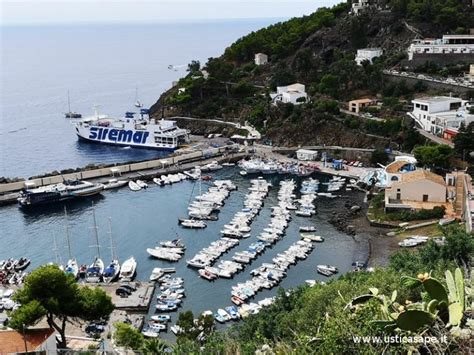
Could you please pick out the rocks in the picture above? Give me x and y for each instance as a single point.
(6, 180)
(355, 208)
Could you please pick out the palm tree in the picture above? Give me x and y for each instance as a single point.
(156, 346)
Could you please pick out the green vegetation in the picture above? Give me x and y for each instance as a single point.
(283, 38)
(130, 338)
(51, 293)
(379, 157)
(429, 300)
(433, 156)
(445, 14)
(464, 142)
(408, 216)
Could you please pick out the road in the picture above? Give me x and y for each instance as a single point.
(252, 132)
(434, 138)
(347, 112)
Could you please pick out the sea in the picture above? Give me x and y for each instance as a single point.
(104, 68)
(109, 66)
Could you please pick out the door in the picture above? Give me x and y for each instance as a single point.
(425, 198)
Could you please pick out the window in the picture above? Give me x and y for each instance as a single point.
(395, 178)
(399, 196)
(425, 198)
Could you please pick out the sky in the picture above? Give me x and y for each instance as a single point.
(50, 12)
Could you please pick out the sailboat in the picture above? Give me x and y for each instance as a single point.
(71, 114)
(96, 269)
(112, 271)
(71, 267)
(137, 102)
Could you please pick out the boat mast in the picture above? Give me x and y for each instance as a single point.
(68, 101)
(67, 233)
(96, 234)
(56, 253)
(112, 247)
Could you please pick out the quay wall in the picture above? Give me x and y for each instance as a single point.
(122, 169)
(429, 83)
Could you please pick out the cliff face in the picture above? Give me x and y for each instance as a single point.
(318, 51)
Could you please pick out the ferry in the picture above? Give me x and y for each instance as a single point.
(135, 130)
(63, 191)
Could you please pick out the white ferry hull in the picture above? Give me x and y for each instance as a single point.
(141, 146)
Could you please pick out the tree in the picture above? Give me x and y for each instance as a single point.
(464, 141)
(194, 66)
(435, 156)
(49, 292)
(379, 157)
(189, 330)
(155, 347)
(127, 336)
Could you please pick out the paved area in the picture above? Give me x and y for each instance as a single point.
(434, 138)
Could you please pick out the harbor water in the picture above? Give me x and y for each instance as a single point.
(106, 65)
(141, 220)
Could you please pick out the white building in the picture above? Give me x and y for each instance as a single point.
(367, 54)
(439, 113)
(449, 44)
(306, 154)
(359, 6)
(294, 94)
(261, 59)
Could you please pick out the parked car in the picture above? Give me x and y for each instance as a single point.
(94, 328)
(123, 292)
(128, 287)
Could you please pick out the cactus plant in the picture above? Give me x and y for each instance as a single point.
(439, 302)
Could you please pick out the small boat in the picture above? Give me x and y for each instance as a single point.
(222, 314)
(112, 271)
(151, 331)
(312, 237)
(191, 223)
(228, 164)
(206, 274)
(307, 229)
(161, 318)
(128, 270)
(22, 264)
(175, 243)
(134, 186)
(326, 270)
(243, 173)
(236, 300)
(232, 311)
(206, 177)
(156, 274)
(72, 268)
(95, 271)
(114, 184)
(166, 307)
(142, 184)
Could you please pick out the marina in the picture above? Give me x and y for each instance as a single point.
(253, 211)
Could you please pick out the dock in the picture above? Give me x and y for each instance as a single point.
(138, 301)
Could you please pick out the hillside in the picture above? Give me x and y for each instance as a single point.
(318, 51)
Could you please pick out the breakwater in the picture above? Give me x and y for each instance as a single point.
(144, 170)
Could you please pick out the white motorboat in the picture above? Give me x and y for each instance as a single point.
(307, 229)
(134, 186)
(192, 223)
(114, 184)
(326, 270)
(142, 184)
(312, 237)
(243, 173)
(156, 274)
(128, 270)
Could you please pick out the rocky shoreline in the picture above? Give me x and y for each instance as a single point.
(350, 218)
